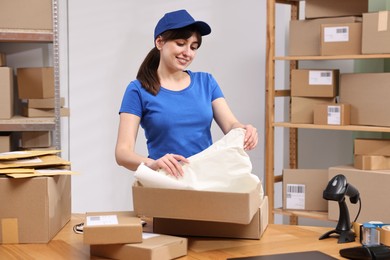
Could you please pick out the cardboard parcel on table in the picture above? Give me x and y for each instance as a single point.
(217, 186)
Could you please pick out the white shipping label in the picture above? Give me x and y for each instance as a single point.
(102, 220)
(336, 34)
(320, 77)
(334, 115)
(295, 196)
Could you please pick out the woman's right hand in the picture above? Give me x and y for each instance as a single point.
(170, 163)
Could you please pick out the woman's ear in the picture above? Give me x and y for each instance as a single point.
(159, 42)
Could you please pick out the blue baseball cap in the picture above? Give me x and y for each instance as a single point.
(179, 19)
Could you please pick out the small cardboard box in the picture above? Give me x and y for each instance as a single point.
(305, 35)
(372, 146)
(181, 227)
(341, 39)
(196, 205)
(33, 210)
(35, 82)
(335, 8)
(376, 32)
(5, 142)
(43, 112)
(371, 162)
(112, 228)
(26, 14)
(3, 59)
(332, 114)
(369, 102)
(7, 93)
(45, 103)
(153, 247)
(33, 139)
(303, 188)
(302, 108)
(373, 186)
(314, 83)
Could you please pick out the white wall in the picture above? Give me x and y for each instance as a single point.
(107, 41)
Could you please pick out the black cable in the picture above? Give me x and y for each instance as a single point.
(358, 213)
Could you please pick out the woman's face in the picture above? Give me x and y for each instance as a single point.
(177, 54)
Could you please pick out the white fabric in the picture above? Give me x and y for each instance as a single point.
(224, 166)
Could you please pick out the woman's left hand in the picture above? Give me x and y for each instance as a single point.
(251, 139)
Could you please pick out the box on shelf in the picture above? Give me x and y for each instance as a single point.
(303, 188)
(26, 14)
(33, 210)
(314, 83)
(196, 205)
(335, 8)
(305, 35)
(42, 102)
(35, 82)
(182, 227)
(371, 162)
(33, 139)
(3, 60)
(341, 39)
(5, 142)
(364, 146)
(376, 32)
(153, 247)
(43, 112)
(112, 228)
(373, 186)
(7, 93)
(369, 102)
(302, 108)
(332, 114)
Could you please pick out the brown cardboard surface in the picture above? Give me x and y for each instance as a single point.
(373, 187)
(44, 160)
(372, 146)
(43, 112)
(157, 247)
(3, 59)
(331, 45)
(35, 82)
(128, 228)
(369, 102)
(26, 154)
(334, 8)
(305, 35)
(196, 205)
(302, 108)
(33, 210)
(26, 14)
(5, 142)
(314, 83)
(314, 182)
(376, 32)
(332, 114)
(42, 102)
(7, 93)
(181, 227)
(371, 162)
(32, 139)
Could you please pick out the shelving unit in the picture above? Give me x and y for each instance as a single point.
(51, 37)
(270, 124)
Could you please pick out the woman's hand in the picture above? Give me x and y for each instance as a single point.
(171, 163)
(251, 139)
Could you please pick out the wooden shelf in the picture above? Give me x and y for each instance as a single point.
(20, 123)
(335, 127)
(338, 57)
(15, 35)
(319, 215)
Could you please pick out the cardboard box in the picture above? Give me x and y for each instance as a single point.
(181, 227)
(196, 205)
(112, 228)
(26, 14)
(46, 103)
(302, 108)
(305, 35)
(153, 247)
(376, 32)
(373, 187)
(371, 162)
(3, 60)
(341, 39)
(35, 82)
(369, 102)
(335, 8)
(7, 93)
(332, 114)
(314, 83)
(43, 112)
(372, 146)
(303, 188)
(5, 142)
(33, 139)
(33, 210)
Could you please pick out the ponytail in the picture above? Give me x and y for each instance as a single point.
(147, 73)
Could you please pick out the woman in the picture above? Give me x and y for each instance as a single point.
(174, 106)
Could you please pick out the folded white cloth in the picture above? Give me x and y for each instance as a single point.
(224, 166)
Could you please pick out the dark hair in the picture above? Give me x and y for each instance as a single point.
(147, 73)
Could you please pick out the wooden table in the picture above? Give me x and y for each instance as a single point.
(276, 239)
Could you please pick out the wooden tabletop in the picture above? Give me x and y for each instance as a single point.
(276, 239)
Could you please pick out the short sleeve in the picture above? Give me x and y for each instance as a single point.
(132, 100)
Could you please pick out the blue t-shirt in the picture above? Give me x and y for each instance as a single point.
(176, 122)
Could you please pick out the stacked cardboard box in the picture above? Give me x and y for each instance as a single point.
(7, 93)
(372, 154)
(376, 32)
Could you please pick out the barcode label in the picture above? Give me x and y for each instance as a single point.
(341, 30)
(295, 196)
(336, 34)
(102, 220)
(295, 189)
(320, 77)
(334, 115)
